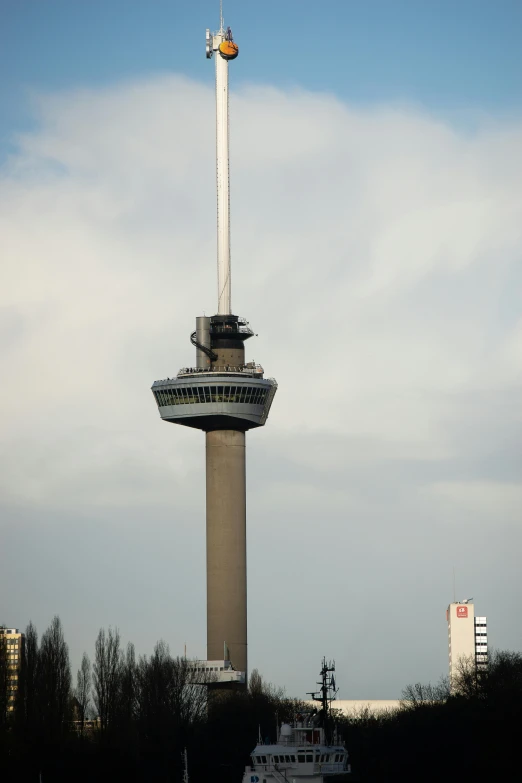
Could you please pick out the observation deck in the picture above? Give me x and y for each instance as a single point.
(216, 398)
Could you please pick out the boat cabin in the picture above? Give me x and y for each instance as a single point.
(301, 752)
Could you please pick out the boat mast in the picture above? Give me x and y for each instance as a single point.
(325, 696)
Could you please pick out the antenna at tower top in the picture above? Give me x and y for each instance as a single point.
(223, 44)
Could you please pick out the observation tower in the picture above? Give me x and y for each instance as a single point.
(224, 396)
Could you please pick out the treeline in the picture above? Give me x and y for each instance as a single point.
(125, 717)
(467, 733)
(129, 718)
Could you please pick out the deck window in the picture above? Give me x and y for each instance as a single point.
(182, 395)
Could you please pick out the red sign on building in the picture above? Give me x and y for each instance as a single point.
(462, 611)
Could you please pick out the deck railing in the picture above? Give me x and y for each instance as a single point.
(250, 370)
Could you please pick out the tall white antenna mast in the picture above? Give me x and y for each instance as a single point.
(225, 48)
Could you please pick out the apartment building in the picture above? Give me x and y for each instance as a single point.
(12, 644)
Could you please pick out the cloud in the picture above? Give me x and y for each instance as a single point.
(377, 252)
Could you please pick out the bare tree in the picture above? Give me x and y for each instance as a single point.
(258, 687)
(153, 696)
(54, 680)
(191, 691)
(467, 680)
(106, 676)
(425, 695)
(172, 697)
(256, 684)
(82, 691)
(127, 696)
(29, 675)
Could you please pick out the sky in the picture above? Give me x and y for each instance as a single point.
(376, 181)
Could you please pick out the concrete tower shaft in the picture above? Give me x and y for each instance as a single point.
(226, 546)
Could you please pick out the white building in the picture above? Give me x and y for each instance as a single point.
(467, 637)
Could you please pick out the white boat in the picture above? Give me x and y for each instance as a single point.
(306, 751)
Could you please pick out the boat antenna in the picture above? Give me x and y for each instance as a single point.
(326, 695)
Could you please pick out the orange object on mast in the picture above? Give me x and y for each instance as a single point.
(228, 50)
